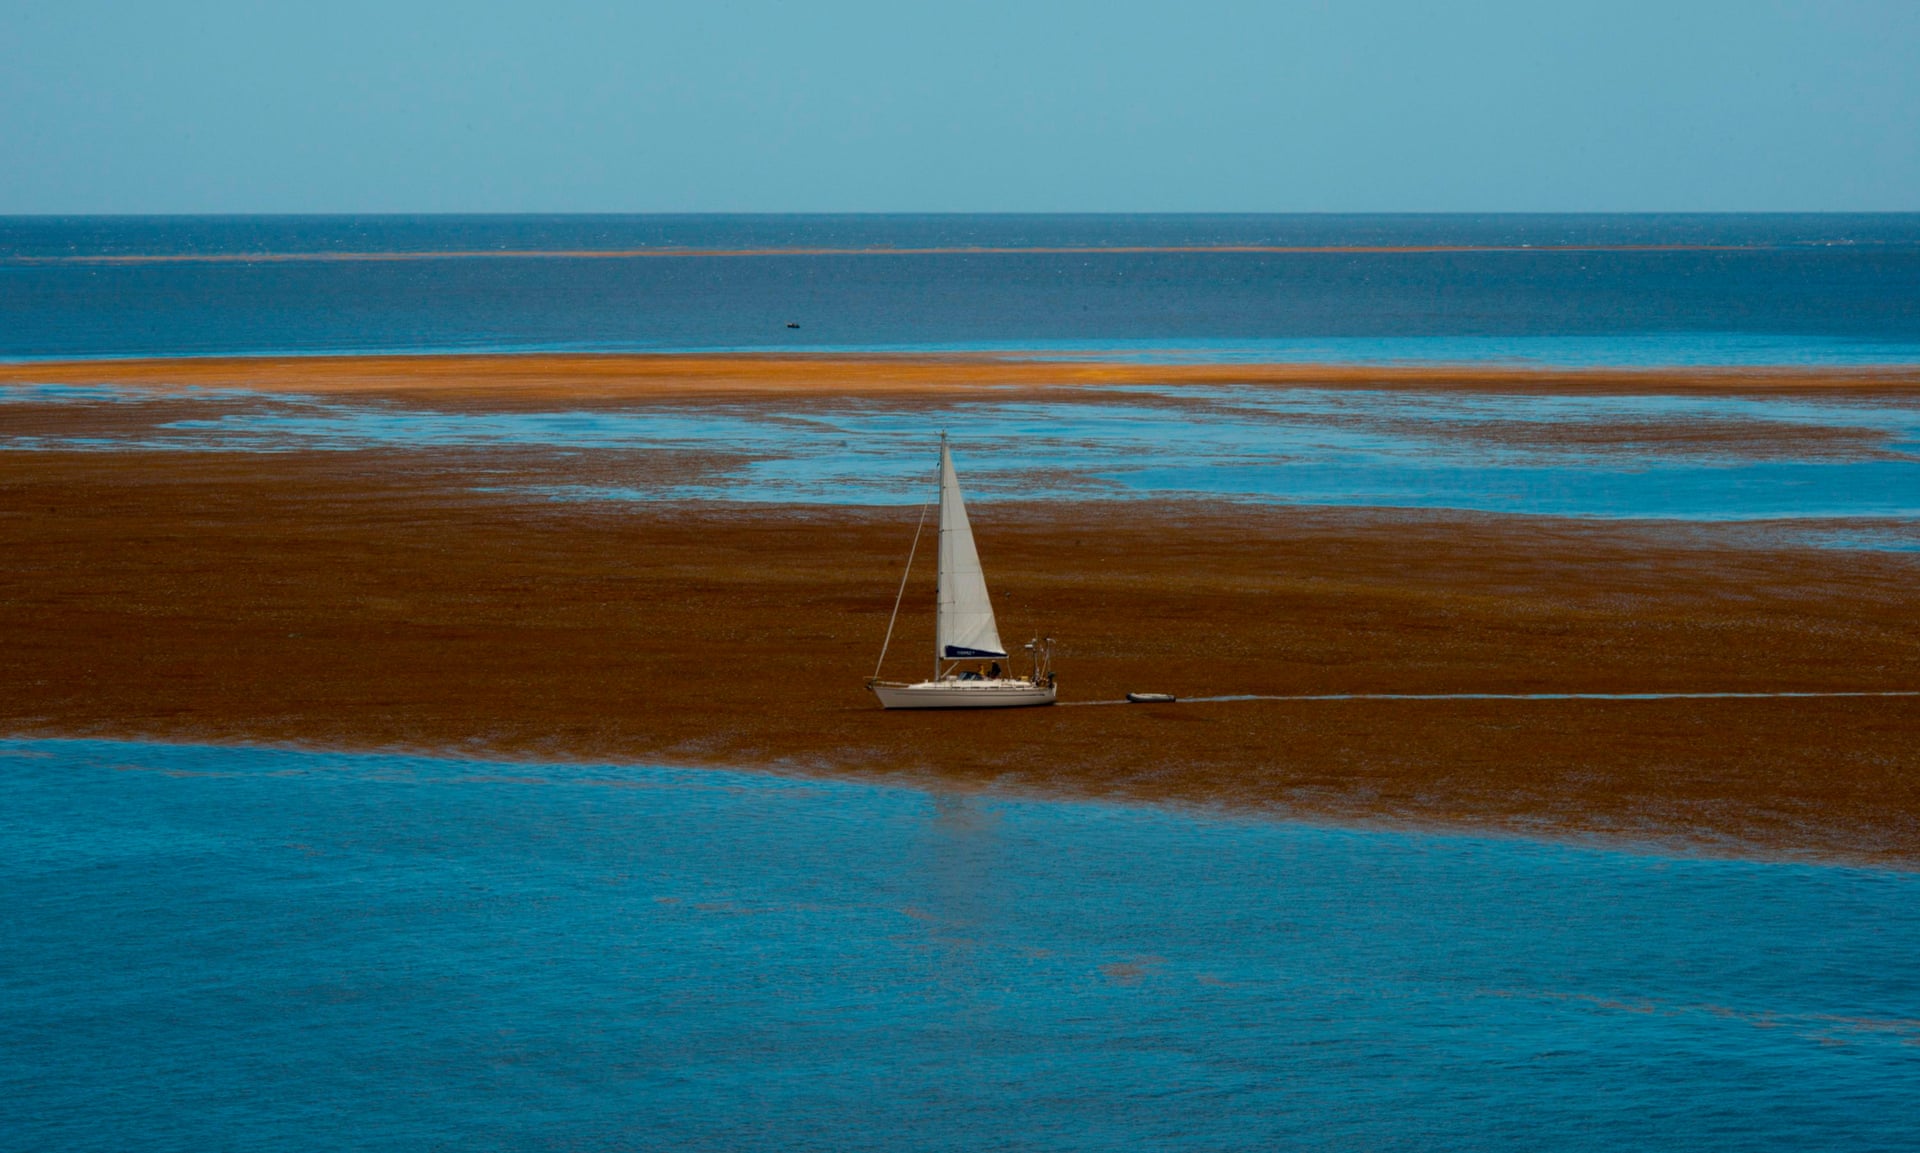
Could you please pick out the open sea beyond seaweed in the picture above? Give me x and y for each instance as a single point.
(1726, 289)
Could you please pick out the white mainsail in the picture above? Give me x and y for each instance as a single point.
(966, 629)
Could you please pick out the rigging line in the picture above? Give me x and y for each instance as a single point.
(903, 589)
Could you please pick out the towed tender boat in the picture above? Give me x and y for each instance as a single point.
(967, 649)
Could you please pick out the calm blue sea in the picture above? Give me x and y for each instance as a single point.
(1817, 289)
(231, 948)
(237, 949)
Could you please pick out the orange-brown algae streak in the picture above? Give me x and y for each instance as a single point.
(518, 380)
(376, 600)
(326, 257)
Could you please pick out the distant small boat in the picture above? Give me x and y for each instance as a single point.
(965, 632)
(793, 324)
(1152, 698)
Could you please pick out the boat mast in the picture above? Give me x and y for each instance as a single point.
(939, 483)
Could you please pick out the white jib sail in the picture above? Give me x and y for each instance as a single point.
(966, 629)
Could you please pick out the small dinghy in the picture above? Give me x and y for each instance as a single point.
(1151, 698)
(965, 633)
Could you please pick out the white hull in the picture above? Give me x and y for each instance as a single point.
(956, 694)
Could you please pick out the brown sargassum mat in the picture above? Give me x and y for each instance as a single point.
(382, 600)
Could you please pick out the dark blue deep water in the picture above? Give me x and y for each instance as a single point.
(1763, 289)
(224, 949)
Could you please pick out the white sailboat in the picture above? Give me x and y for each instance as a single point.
(965, 632)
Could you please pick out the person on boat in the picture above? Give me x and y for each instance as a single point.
(993, 671)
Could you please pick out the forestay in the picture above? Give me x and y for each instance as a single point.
(966, 627)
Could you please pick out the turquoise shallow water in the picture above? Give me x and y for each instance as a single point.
(1585, 456)
(231, 948)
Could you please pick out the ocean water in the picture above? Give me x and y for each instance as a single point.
(1652, 289)
(249, 948)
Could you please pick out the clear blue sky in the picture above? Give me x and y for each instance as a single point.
(558, 105)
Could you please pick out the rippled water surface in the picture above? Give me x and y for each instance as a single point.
(209, 948)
